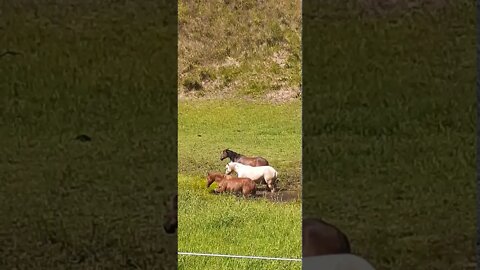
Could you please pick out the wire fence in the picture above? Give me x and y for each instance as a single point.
(239, 256)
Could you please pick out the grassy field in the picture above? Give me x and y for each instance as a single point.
(205, 128)
(95, 68)
(389, 131)
(239, 49)
(226, 224)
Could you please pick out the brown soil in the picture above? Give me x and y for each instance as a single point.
(283, 195)
(283, 95)
(280, 196)
(278, 96)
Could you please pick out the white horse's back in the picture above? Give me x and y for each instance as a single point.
(257, 174)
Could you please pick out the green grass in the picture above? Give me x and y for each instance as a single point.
(205, 128)
(226, 224)
(389, 133)
(102, 69)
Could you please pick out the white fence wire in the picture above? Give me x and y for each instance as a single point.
(239, 256)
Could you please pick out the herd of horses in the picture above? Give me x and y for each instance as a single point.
(250, 171)
(319, 238)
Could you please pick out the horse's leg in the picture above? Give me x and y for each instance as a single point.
(220, 189)
(270, 185)
(265, 182)
(262, 181)
(253, 193)
(244, 192)
(267, 186)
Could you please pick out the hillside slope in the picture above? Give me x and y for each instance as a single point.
(239, 48)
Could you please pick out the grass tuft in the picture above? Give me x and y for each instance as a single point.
(227, 224)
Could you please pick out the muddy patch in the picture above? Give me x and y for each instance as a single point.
(283, 195)
(279, 196)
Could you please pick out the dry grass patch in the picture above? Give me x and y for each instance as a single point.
(239, 49)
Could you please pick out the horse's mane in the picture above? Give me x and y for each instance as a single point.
(232, 154)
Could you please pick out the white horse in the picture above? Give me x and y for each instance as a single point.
(257, 174)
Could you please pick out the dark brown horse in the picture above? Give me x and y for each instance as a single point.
(171, 223)
(236, 157)
(322, 238)
(227, 183)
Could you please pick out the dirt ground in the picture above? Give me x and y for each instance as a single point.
(282, 195)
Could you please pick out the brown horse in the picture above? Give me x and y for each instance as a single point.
(227, 183)
(171, 224)
(236, 157)
(322, 238)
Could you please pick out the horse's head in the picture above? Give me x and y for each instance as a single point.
(224, 154)
(229, 168)
(171, 223)
(210, 179)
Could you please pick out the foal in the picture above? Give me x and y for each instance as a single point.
(237, 157)
(171, 224)
(230, 184)
(322, 238)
